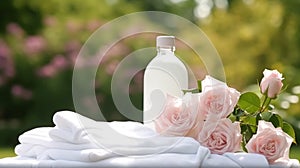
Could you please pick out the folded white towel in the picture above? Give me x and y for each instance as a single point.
(86, 155)
(120, 138)
(63, 135)
(36, 135)
(40, 136)
(201, 159)
(125, 138)
(81, 135)
(77, 141)
(292, 163)
(29, 150)
(219, 161)
(43, 153)
(75, 128)
(73, 151)
(246, 159)
(159, 160)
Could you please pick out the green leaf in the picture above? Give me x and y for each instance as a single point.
(238, 112)
(244, 142)
(243, 128)
(250, 120)
(232, 117)
(276, 120)
(287, 128)
(249, 102)
(258, 117)
(248, 133)
(266, 115)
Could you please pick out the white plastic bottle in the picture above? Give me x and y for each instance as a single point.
(165, 74)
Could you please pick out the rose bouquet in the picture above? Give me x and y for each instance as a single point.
(224, 120)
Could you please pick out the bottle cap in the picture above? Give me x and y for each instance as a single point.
(165, 41)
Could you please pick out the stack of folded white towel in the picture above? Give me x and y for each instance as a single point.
(77, 141)
(77, 138)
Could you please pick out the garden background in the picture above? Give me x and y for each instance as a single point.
(40, 40)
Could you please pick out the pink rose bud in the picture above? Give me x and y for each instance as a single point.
(271, 83)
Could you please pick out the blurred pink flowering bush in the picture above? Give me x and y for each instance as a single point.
(36, 71)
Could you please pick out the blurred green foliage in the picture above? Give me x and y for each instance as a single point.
(39, 42)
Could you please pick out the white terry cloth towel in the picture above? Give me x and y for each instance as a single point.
(42, 153)
(40, 136)
(111, 140)
(292, 163)
(74, 128)
(248, 159)
(203, 158)
(57, 152)
(159, 160)
(219, 161)
(37, 144)
(124, 138)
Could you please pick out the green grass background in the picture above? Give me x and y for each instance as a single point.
(7, 152)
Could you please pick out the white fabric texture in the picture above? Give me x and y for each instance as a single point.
(162, 160)
(77, 141)
(246, 159)
(102, 140)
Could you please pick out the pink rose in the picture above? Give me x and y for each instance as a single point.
(217, 98)
(271, 142)
(178, 117)
(221, 136)
(271, 83)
